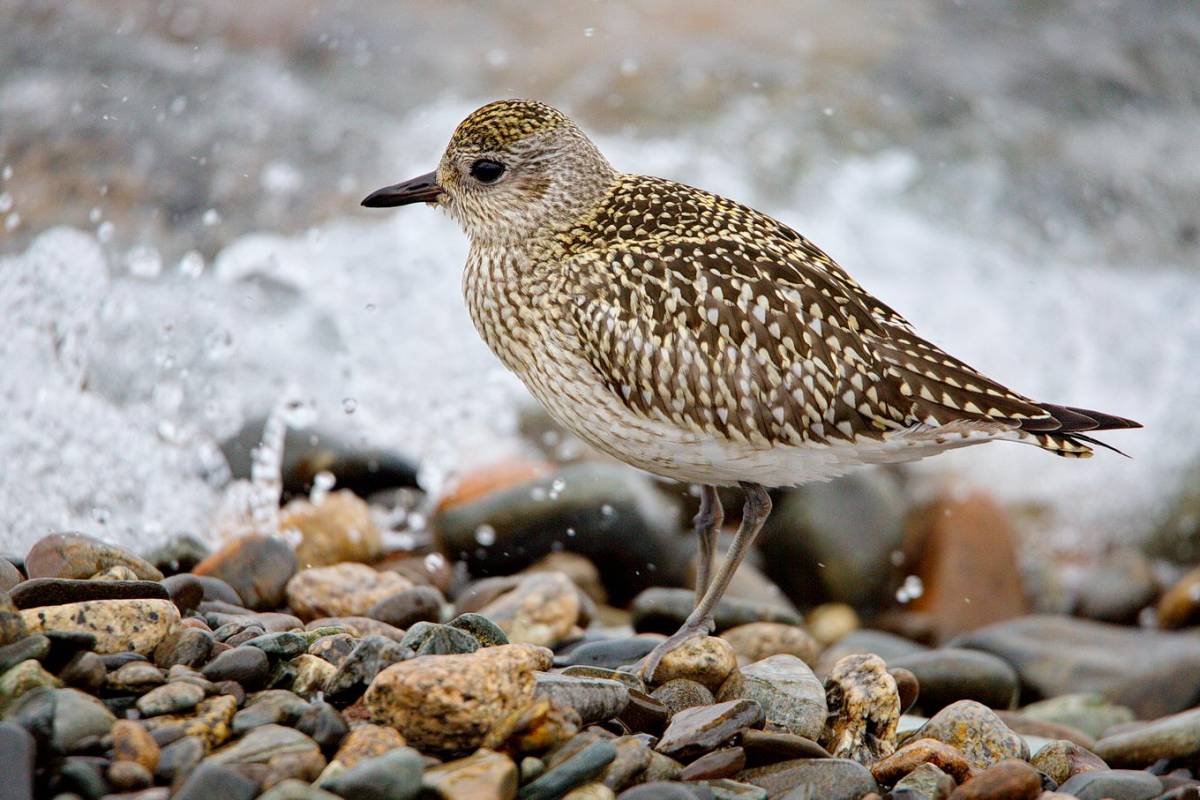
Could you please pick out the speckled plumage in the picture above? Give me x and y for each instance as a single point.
(695, 337)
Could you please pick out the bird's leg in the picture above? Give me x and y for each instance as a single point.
(700, 621)
(707, 526)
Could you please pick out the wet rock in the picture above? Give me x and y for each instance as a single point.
(312, 675)
(758, 640)
(826, 778)
(542, 610)
(211, 780)
(429, 639)
(633, 756)
(326, 726)
(770, 747)
(178, 758)
(1113, 784)
(217, 590)
(336, 530)
(84, 671)
(34, 647)
(22, 678)
(792, 699)
(948, 675)
(975, 731)
(369, 657)
(78, 719)
(178, 554)
(185, 591)
(923, 751)
(717, 764)
(663, 610)
(1056, 655)
(485, 774)
(128, 776)
(60, 591)
(849, 526)
(418, 604)
(610, 654)
(594, 699)
(281, 644)
(118, 625)
(645, 714)
(578, 508)
(864, 709)
(925, 782)
(1010, 779)
(136, 677)
(486, 632)
(681, 693)
(707, 660)
(74, 555)
(1091, 714)
(262, 744)
(12, 623)
(365, 742)
(10, 576)
(907, 687)
(887, 646)
(187, 646)
(394, 775)
(170, 698)
(248, 666)
(1062, 760)
(257, 567)
(575, 771)
(452, 702)
(697, 730)
(346, 589)
(1175, 736)
(272, 706)
(131, 742)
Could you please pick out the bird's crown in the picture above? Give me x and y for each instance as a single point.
(504, 122)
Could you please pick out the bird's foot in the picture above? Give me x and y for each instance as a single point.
(692, 629)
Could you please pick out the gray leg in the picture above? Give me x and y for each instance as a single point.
(700, 621)
(707, 526)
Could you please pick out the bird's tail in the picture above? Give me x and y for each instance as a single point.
(1068, 439)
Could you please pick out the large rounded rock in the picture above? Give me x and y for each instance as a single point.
(343, 590)
(976, 731)
(948, 675)
(257, 567)
(706, 660)
(118, 625)
(792, 698)
(1174, 737)
(755, 641)
(542, 610)
(39, 592)
(336, 530)
(75, 555)
(695, 731)
(452, 702)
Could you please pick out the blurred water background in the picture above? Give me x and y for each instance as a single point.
(181, 242)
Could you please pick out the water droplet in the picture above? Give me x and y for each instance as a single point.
(7, 173)
(12, 221)
(571, 532)
(95, 215)
(104, 231)
(6, 202)
(589, 32)
(827, 111)
(537, 494)
(191, 265)
(143, 261)
(485, 535)
(323, 482)
(911, 589)
(210, 218)
(349, 405)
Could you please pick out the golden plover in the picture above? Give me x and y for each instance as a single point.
(694, 337)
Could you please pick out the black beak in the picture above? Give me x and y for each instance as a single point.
(422, 189)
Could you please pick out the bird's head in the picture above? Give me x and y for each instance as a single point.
(512, 169)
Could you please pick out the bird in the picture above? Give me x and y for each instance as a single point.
(696, 338)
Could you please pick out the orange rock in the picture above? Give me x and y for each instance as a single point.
(1010, 779)
(132, 742)
(492, 478)
(339, 529)
(367, 741)
(257, 567)
(966, 559)
(1180, 606)
(923, 751)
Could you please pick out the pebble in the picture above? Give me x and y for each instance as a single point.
(348, 589)
(485, 774)
(1044, 730)
(769, 747)
(282, 644)
(887, 646)
(630, 680)
(180, 553)
(976, 731)
(210, 780)
(78, 719)
(609, 654)
(337, 529)
(825, 778)
(20, 750)
(313, 674)
(190, 647)
(1062, 760)
(295, 789)
(570, 773)
(185, 591)
(128, 776)
(217, 590)
(333, 649)
(659, 790)
(925, 782)
(1055, 655)
(543, 609)
(431, 639)
(84, 671)
(594, 699)
(246, 665)
(1176, 736)
(394, 775)
(418, 604)
(1180, 605)
(178, 758)
(663, 610)
(35, 646)
(633, 756)
(1090, 713)
(263, 744)
(922, 751)
(131, 742)
(949, 674)
(170, 698)
(24, 677)
(118, 625)
(486, 632)
(370, 656)
(10, 576)
(707, 660)
(682, 693)
(257, 567)
(590, 791)
(755, 641)
(1113, 784)
(717, 764)
(60, 591)
(792, 699)
(1010, 779)
(695, 731)
(136, 677)
(326, 726)
(271, 706)
(864, 709)
(645, 714)
(453, 702)
(74, 555)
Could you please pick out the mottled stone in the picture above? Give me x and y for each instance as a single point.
(74, 555)
(132, 742)
(948, 675)
(594, 699)
(171, 698)
(976, 732)
(248, 666)
(864, 709)
(118, 625)
(825, 778)
(337, 529)
(12, 622)
(418, 604)
(682, 693)
(707, 660)
(792, 698)
(22, 678)
(60, 591)
(363, 743)
(698, 730)
(262, 744)
(1113, 784)
(452, 702)
(431, 639)
(313, 674)
(1010, 779)
(542, 610)
(1062, 760)
(758, 640)
(1176, 736)
(486, 632)
(393, 775)
(184, 645)
(342, 590)
(370, 656)
(485, 774)
(257, 567)
(922, 751)
(924, 782)
(136, 677)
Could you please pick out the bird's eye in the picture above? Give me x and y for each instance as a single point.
(486, 171)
